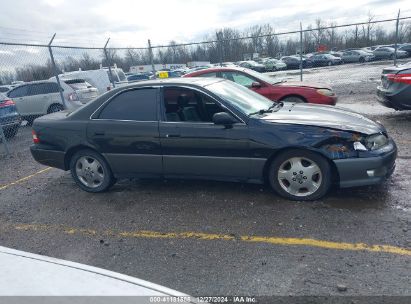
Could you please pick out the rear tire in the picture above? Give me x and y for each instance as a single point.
(300, 175)
(91, 172)
(361, 60)
(55, 108)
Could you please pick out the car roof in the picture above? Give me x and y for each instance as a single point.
(33, 82)
(216, 69)
(175, 81)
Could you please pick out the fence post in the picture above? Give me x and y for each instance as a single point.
(4, 140)
(220, 48)
(150, 53)
(396, 38)
(56, 73)
(109, 64)
(301, 52)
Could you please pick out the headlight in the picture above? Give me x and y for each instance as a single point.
(376, 141)
(325, 92)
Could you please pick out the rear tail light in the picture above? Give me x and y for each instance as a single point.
(72, 96)
(36, 140)
(6, 103)
(400, 78)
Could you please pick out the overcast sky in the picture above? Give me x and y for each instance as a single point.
(132, 22)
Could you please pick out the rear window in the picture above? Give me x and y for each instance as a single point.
(139, 105)
(78, 84)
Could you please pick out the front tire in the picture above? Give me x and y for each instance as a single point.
(91, 172)
(300, 175)
(294, 99)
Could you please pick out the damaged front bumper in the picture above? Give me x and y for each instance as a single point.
(364, 171)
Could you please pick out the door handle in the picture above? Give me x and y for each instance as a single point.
(99, 133)
(172, 135)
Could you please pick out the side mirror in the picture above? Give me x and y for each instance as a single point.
(223, 118)
(256, 84)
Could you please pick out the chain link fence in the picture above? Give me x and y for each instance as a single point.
(39, 79)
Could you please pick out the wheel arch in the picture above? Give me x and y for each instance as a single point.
(53, 104)
(267, 164)
(294, 95)
(73, 150)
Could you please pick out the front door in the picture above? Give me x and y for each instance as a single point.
(193, 145)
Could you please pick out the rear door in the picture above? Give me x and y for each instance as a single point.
(125, 131)
(41, 96)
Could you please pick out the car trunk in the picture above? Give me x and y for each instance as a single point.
(85, 91)
(388, 73)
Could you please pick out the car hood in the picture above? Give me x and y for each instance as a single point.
(324, 116)
(312, 85)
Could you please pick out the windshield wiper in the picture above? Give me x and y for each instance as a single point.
(273, 108)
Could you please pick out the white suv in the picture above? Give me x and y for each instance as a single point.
(37, 98)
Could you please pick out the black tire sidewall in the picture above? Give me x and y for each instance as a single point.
(108, 176)
(53, 107)
(317, 158)
(295, 99)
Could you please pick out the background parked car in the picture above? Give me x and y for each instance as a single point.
(37, 98)
(78, 91)
(386, 52)
(357, 56)
(9, 117)
(97, 78)
(406, 47)
(65, 278)
(252, 65)
(272, 64)
(293, 91)
(395, 89)
(293, 62)
(324, 59)
(137, 77)
(4, 88)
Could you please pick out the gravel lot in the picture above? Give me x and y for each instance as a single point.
(213, 238)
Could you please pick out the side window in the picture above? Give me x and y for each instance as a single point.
(37, 89)
(186, 105)
(18, 92)
(239, 78)
(139, 105)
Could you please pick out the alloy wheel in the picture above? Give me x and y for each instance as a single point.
(300, 176)
(89, 171)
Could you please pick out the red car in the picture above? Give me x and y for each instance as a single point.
(292, 91)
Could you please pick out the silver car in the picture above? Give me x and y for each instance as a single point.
(385, 52)
(357, 56)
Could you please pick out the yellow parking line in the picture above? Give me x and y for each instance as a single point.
(305, 242)
(19, 181)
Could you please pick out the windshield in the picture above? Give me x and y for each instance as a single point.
(261, 76)
(241, 98)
